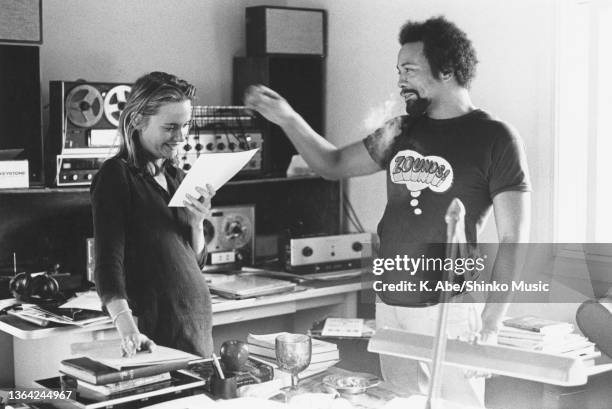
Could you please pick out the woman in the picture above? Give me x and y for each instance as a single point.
(148, 255)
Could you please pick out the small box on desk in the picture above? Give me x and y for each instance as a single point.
(14, 174)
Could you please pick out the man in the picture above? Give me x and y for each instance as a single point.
(444, 148)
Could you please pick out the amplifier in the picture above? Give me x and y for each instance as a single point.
(217, 129)
(327, 253)
(77, 170)
(204, 142)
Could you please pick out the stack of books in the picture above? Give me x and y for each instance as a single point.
(324, 354)
(103, 374)
(548, 336)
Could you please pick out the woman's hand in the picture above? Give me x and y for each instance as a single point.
(135, 342)
(199, 208)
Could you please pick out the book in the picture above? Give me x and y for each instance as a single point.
(94, 372)
(368, 329)
(96, 396)
(511, 332)
(343, 327)
(268, 341)
(313, 368)
(539, 325)
(315, 357)
(179, 385)
(107, 353)
(122, 386)
(239, 286)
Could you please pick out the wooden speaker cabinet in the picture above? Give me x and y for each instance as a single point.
(299, 79)
(285, 30)
(20, 105)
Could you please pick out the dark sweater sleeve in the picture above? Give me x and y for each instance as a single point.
(110, 200)
(179, 175)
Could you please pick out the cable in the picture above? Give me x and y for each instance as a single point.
(351, 214)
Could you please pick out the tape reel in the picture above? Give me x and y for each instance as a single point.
(114, 102)
(236, 231)
(229, 228)
(84, 106)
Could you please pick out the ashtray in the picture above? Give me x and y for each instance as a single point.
(352, 384)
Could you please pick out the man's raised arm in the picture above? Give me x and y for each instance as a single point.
(321, 155)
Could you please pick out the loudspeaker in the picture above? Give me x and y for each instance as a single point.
(299, 79)
(20, 105)
(21, 21)
(285, 30)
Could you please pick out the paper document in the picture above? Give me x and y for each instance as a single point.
(108, 352)
(213, 168)
(343, 327)
(86, 301)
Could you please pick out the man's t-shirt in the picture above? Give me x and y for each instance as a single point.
(472, 157)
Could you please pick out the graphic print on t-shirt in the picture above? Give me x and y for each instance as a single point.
(419, 172)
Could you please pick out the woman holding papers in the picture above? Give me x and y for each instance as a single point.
(148, 256)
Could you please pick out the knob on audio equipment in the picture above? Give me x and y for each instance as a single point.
(357, 246)
(307, 251)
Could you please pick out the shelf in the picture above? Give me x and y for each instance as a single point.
(85, 189)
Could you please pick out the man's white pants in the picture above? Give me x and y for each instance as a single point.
(410, 376)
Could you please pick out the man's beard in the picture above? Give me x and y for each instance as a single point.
(415, 106)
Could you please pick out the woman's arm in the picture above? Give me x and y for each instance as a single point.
(110, 199)
(132, 340)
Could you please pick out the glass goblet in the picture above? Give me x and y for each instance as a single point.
(293, 352)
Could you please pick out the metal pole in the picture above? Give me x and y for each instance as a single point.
(455, 234)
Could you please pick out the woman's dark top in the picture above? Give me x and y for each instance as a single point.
(144, 254)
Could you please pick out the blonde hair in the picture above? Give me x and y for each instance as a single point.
(149, 93)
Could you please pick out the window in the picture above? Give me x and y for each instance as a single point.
(584, 123)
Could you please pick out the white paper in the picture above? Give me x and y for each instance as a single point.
(85, 301)
(343, 327)
(213, 168)
(108, 352)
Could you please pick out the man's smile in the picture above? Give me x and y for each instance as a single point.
(409, 94)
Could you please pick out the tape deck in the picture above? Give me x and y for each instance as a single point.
(83, 127)
(229, 232)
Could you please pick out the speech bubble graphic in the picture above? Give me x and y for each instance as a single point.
(418, 172)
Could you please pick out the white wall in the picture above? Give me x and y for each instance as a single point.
(119, 40)
(513, 40)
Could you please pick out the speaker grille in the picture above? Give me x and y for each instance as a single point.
(20, 21)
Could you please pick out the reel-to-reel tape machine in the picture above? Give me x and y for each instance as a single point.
(230, 236)
(83, 129)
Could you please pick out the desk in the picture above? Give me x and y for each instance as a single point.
(36, 352)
